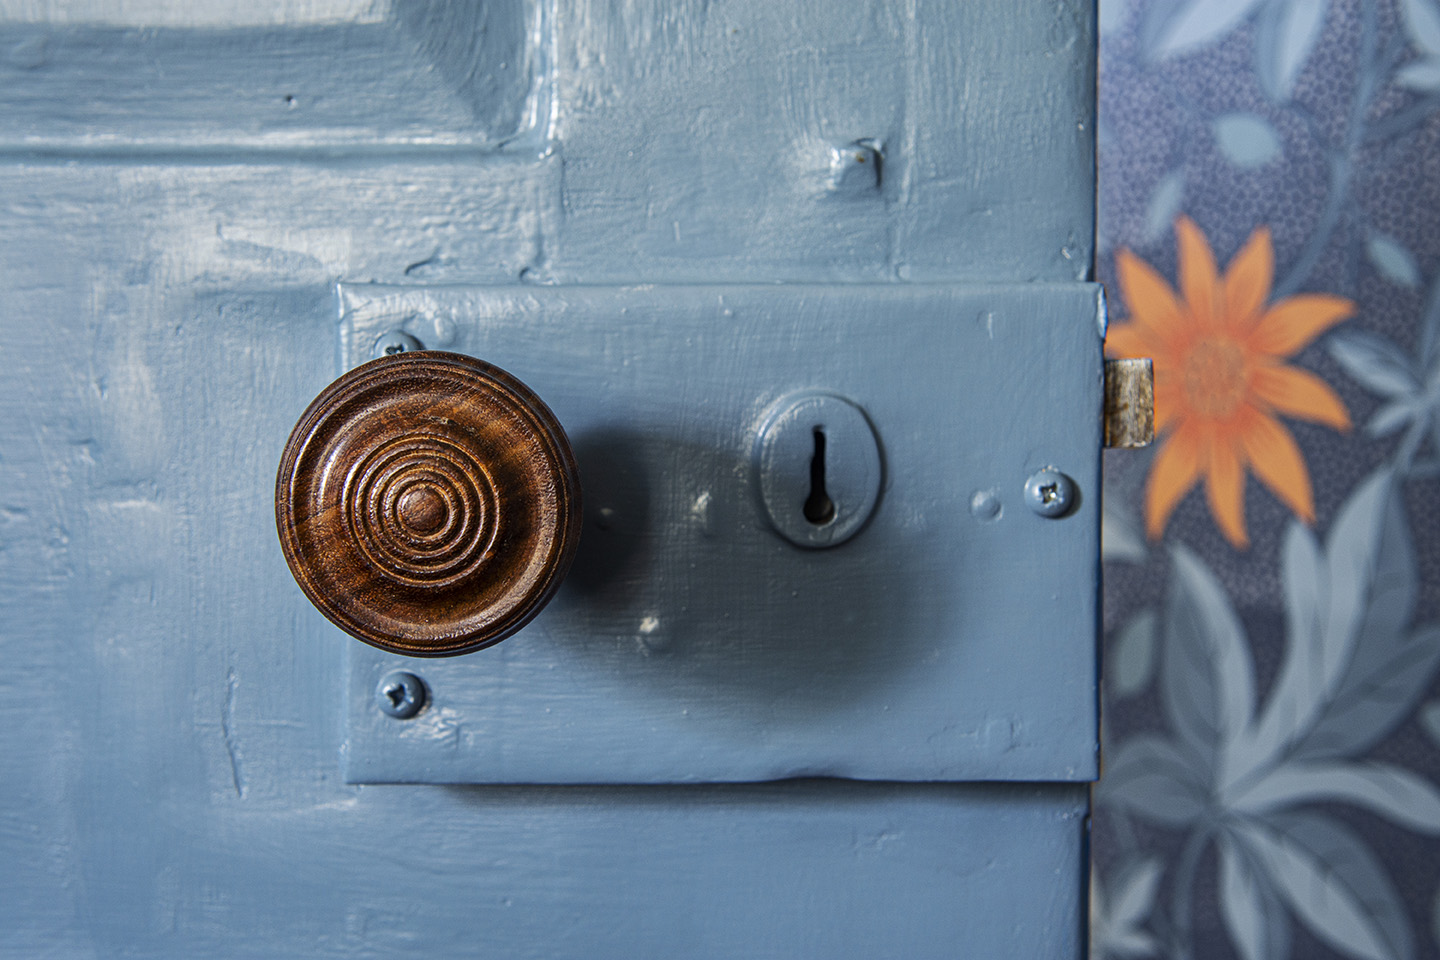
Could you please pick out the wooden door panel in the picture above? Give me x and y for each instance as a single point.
(174, 242)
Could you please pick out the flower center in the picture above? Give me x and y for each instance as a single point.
(1215, 377)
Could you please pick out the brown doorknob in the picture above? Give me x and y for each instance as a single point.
(428, 503)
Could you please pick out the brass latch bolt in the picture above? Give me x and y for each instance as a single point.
(1129, 403)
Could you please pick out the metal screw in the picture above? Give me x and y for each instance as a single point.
(401, 695)
(393, 342)
(1050, 493)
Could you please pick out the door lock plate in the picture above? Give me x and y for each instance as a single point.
(700, 636)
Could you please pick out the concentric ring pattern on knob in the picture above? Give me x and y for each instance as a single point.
(428, 503)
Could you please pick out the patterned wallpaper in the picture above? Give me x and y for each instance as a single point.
(1270, 235)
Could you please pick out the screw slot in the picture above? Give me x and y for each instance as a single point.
(401, 695)
(1050, 493)
(394, 342)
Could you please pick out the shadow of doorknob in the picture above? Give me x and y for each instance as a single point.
(428, 503)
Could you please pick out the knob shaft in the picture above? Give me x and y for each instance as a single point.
(428, 503)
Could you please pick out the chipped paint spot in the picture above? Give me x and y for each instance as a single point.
(227, 731)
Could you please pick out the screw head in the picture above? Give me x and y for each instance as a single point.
(1050, 493)
(401, 695)
(394, 341)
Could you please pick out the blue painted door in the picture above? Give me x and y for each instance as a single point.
(210, 211)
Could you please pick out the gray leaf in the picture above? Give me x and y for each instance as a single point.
(1389, 598)
(1422, 24)
(1208, 686)
(1348, 672)
(1376, 362)
(1135, 893)
(1430, 331)
(1372, 565)
(1240, 905)
(1382, 788)
(1333, 883)
(1150, 778)
(1246, 139)
(1117, 929)
(1435, 918)
(1120, 537)
(1392, 259)
(1132, 658)
(1284, 37)
(1422, 75)
(1254, 916)
(1375, 700)
(1390, 418)
(1112, 15)
(1430, 720)
(1164, 203)
(1301, 685)
(1180, 28)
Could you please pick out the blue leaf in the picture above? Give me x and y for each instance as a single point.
(1376, 362)
(1422, 24)
(1254, 917)
(1393, 260)
(1372, 565)
(1390, 418)
(1430, 331)
(1375, 700)
(1120, 537)
(1392, 580)
(1297, 695)
(1135, 894)
(1132, 659)
(1240, 905)
(1351, 672)
(1430, 720)
(1285, 36)
(1422, 75)
(1435, 917)
(1208, 682)
(1151, 779)
(1117, 928)
(1355, 550)
(1180, 28)
(1385, 789)
(1246, 139)
(1164, 203)
(1112, 15)
(1378, 694)
(1333, 884)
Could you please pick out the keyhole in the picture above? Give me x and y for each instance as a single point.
(819, 508)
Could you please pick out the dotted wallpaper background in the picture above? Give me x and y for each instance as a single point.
(1270, 233)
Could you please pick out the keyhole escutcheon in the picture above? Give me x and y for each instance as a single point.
(818, 468)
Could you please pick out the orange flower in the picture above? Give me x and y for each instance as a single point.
(1220, 377)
